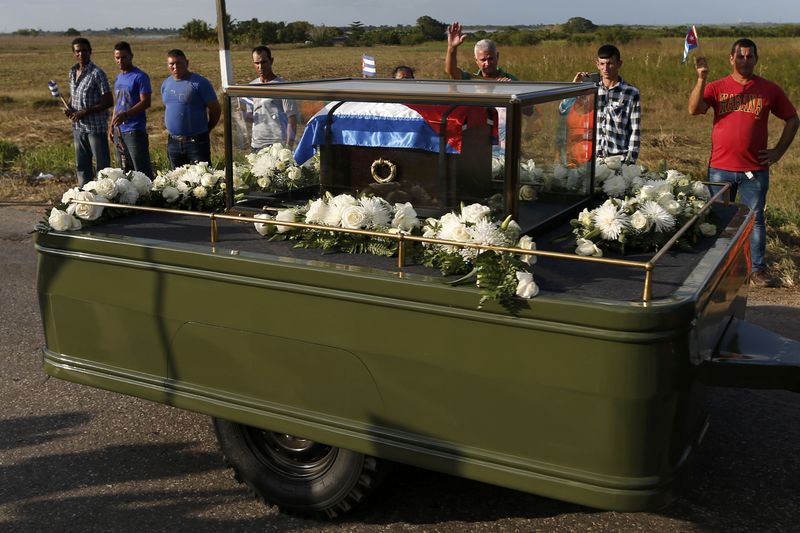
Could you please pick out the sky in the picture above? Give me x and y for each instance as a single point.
(59, 15)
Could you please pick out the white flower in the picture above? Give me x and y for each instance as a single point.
(87, 212)
(527, 193)
(89, 186)
(512, 229)
(614, 162)
(200, 192)
(527, 170)
(354, 217)
(285, 215)
(674, 176)
(631, 171)
(670, 204)
(526, 243)
(285, 156)
(262, 229)
(126, 192)
(610, 220)
(141, 182)
(657, 215)
(170, 194)
(706, 229)
(486, 232)
(183, 186)
(405, 217)
(264, 166)
(106, 187)
(474, 213)
(585, 218)
(316, 211)
(263, 182)
(209, 180)
(615, 186)
(111, 173)
(293, 173)
(343, 200)
(159, 183)
(588, 248)
(376, 211)
(639, 221)
(526, 287)
(602, 172)
(497, 166)
(62, 221)
(454, 232)
(69, 195)
(700, 190)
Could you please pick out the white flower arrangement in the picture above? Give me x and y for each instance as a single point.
(643, 211)
(273, 169)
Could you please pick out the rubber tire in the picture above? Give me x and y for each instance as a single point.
(338, 482)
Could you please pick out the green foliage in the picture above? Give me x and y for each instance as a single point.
(431, 29)
(72, 32)
(8, 153)
(28, 32)
(58, 159)
(355, 33)
(579, 25)
(197, 30)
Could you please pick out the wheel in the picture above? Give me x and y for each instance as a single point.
(298, 475)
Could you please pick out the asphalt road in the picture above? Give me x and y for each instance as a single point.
(73, 458)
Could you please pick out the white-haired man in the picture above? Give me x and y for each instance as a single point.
(486, 57)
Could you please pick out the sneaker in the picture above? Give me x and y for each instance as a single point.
(759, 278)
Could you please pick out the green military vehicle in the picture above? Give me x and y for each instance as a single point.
(320, 370)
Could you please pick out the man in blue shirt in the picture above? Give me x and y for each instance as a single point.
(90, 97)
(129, 123)
(192, 111)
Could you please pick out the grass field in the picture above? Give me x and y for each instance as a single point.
(30, 120)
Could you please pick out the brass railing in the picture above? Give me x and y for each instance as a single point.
(402, 238)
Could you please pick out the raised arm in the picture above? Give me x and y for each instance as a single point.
(697, 105)
(454, 39)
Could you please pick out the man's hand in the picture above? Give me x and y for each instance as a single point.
(454, 35)
(119, 119)
(701, 66)
(76, 115)
(769, 156)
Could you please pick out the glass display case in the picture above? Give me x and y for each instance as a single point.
(522, 148)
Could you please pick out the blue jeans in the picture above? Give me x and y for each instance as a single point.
(138, 144)
(752, 193)
(183, 150)
(88, 145)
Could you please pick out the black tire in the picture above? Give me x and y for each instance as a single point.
(299, 476)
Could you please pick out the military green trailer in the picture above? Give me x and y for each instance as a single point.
(320, 370)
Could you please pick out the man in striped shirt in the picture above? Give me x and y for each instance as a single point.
(618, 108)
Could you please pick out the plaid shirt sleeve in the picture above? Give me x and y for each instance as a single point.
(635, 116)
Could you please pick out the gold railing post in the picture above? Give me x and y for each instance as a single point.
(401, 251)
(214, 234)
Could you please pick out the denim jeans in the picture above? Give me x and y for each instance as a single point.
(88, 145)
(193, 149)
(752, 193)
(138, 145)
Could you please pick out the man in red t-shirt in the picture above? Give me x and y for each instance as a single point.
(742, 103)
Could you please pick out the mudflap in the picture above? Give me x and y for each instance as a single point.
(749, 356)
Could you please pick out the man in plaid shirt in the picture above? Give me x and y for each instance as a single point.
(618, 108)
(90, 98)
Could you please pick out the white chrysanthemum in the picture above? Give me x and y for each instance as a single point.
(610, 220)
(159, 183)
(658, 216)
(615, 186)
(264, 166)
(486, 232)
(200, 192)
(474, 213)
(317, 211)
(376, 210)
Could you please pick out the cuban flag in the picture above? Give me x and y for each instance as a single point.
(689, 43)
(368, 66)
(392, 126)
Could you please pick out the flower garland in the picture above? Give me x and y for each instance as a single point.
(499, 276)
(273, 169)
(643, 210)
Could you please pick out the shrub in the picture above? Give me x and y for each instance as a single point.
(8, 153)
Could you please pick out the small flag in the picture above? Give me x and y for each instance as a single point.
(53, 86)
(689, 43)
(368, 66)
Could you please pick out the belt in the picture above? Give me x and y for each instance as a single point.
(185, 138)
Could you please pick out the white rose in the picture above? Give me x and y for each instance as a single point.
(69, 195)
(526, 287)
(527, 193)
(170, 194)
(631, 171)
(602, 172)
(200, 192)
(209, 180)
(585, 218)
(526, 243)
(354, 217)
(87, 212)
(405, 217)
(263, 182)
(458, 233)
(62, 221)
(674, 175)
(293, 173)
(317, 211)
(111, 173)
(474, 213)
(262, 229)
(700, 190)
(614, 162)
(672, 206)
(285, 156)
(89, 186)
(106, 187)
(141, 183)
(588, 248)
(343, 200)
(286, 215)
(706, 229)
(639, 221)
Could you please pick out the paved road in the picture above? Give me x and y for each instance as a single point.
(74, 458)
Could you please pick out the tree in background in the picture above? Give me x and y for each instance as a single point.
(431, 29)
(579, 25)
(197, 30)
